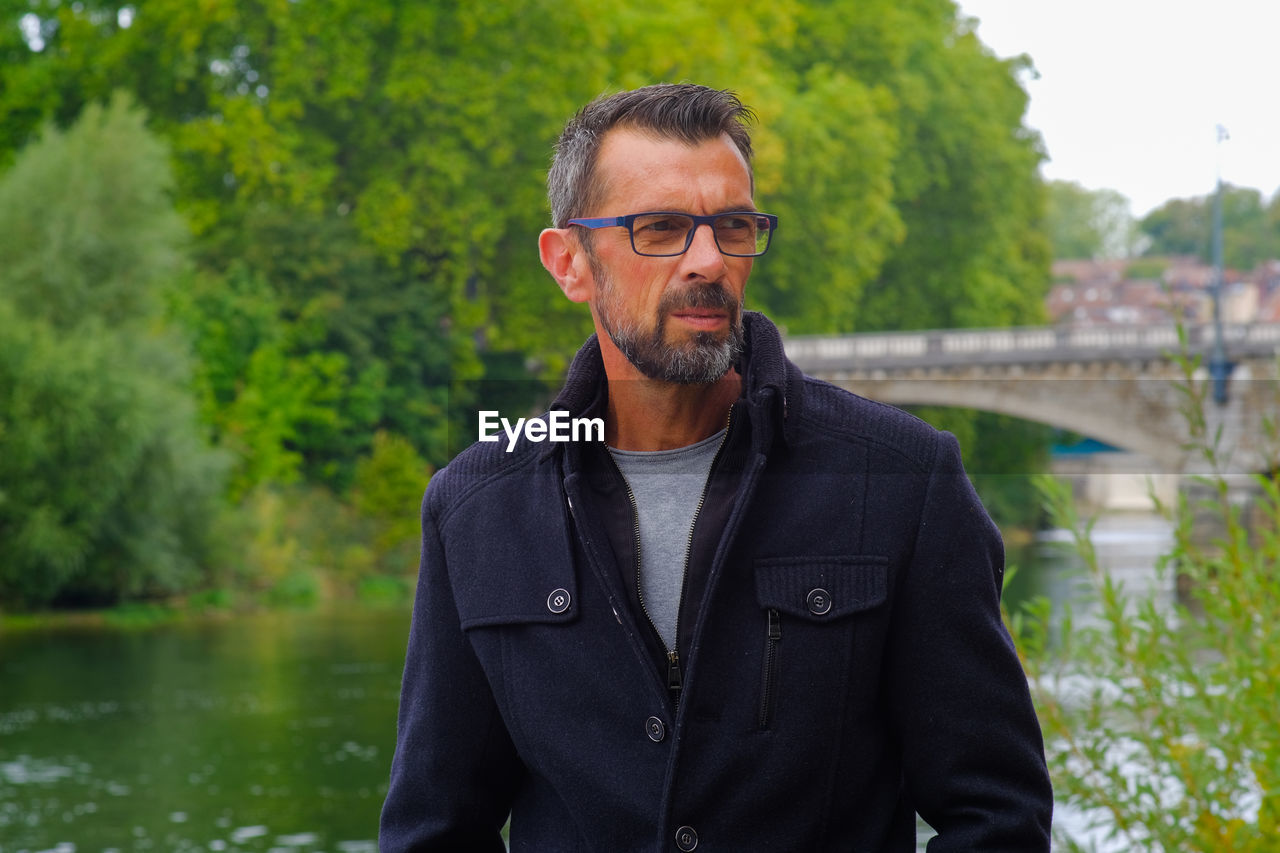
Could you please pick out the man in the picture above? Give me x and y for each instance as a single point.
(762, 615)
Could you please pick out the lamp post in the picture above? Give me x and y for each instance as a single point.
(1219, 367)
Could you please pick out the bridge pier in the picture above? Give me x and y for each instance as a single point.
(1116, 481)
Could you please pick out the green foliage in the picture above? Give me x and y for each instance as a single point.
(384, 590)
(890, 138)
(1160, 721)
(214, 599)
(954, 240)
(387, 485)
(86, 228)
(298, 588)
(965, 180)
(363, 187)
(106, 481)
(309, 343)
(1250, 227)
(289, 533)
(1085, 223)
(140, 616)
(1150, 268)
(1005, 456)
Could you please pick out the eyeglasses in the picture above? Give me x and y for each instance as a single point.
(739, 233)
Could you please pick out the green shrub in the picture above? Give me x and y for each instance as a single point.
(220, 598)
(299, 588)
(1160, 720)
(385, 590)
(137, 615)
(285, 533)
(107, 481)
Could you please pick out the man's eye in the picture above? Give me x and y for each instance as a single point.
(733, 223)
(659, 225)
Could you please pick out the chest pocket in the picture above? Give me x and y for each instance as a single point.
(808, 639)
(822, 589)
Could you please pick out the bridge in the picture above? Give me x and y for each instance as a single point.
(1122, 385)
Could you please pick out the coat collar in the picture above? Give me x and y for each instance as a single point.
(772, 385)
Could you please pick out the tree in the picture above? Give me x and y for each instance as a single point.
(962, 240)
(1085, 223)
(107, 484)
(309, 343)
(964, 173)
(364, 181)
(887, 129)
(1184, 226)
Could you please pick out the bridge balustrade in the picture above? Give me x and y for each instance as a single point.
(960, 347)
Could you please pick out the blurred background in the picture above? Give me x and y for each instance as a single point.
(261, 262)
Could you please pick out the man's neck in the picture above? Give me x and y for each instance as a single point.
(645, 414)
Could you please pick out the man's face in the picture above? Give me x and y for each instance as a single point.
(676, 319)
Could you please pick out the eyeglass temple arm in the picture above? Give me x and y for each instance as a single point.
(599, 222)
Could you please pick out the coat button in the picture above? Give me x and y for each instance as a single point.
(655, 729)
(819, 601)
(686, 838)
(558, 600)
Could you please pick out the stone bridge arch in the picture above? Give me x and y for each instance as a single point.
(1120, 385)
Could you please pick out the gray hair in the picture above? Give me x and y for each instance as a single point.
(681, 111)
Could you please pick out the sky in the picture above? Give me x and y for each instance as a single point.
(1130, 93)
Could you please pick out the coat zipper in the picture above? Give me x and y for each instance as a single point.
(770, 680)
(675, 679)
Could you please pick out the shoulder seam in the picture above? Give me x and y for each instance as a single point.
(919, 463)
(466, 491)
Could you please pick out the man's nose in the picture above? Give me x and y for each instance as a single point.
(704, 256)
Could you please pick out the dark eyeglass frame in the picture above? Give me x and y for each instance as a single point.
(628, 222)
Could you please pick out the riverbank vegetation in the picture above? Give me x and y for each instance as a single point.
(1159, 715)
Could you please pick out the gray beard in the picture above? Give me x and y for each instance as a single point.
(701, 360)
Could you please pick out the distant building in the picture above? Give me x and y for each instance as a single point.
(1157, 290)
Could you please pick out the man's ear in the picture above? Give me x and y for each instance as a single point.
(565, 259)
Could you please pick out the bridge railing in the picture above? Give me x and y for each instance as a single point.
(1025, 345)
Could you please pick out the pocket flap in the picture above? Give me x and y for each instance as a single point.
(822, 588)
(528, 606)
(513, 562)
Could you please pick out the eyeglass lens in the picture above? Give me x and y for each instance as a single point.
(668, 233)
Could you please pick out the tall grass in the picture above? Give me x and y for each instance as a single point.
(1162, 720)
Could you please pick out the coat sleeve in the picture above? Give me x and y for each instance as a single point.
(973, 754)
(455, 769)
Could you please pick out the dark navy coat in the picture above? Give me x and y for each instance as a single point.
(844, 664)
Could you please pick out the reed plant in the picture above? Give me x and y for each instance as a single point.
(1160, 717)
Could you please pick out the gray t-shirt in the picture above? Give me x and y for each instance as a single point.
(667, 486)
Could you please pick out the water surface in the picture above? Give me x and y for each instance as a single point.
(261, 732)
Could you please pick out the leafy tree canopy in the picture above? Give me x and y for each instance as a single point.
(1250, 227)
(363, 183)
(106, 480)
(1084, 223)
(891, 140)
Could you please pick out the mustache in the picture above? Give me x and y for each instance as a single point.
(712, 295)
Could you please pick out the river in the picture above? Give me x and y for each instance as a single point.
(270, 731)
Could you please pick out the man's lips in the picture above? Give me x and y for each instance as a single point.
(701, 318)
